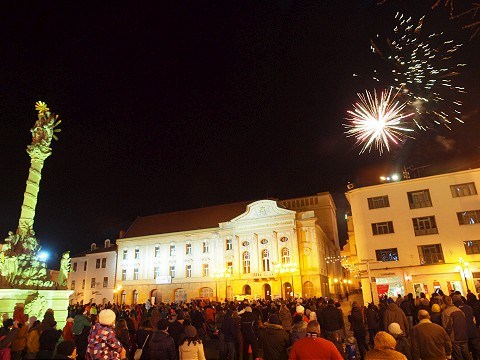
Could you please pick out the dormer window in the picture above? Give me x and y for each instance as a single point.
(107, 243)
(93, 247)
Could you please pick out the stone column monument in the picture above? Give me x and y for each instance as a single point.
(19, 263)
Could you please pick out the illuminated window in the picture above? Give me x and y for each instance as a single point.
(266, 260)
(419, 199)
(205, 247)
(72, 287)
(188, 249)
(206, 293)
(172, 271)
(468, 217)
(387, 254)
(135, 297)
(246, 262)
(425, 225)
(104, 263)
(137, 253)
(74, 266)
(472, 247)
(229, 267)
(125, 254)
(431, 254)
(157, 250)
(463, 189)
(309, 289)
(382, 228)
(92, 283)
(97, 265)
(172, 250)
(105, 281)
(228, 244)
(124, 274)
(378, 202)
(285, 255)
(135, 274)
(188, 271)
(205, 270)
(156, 272)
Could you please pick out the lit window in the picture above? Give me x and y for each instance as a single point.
(74, 266)
(285, 255)
(472, 247)
(387, 254)
(383, 228)
(205, 247)
(172, 271)
(105, 281)
(72, 287)
(188, 249)
(229, 267)
(97, 265)
(137, 253)
(104, 263)
(266, 260)
(125, 254)
(124, 274)
(205, 270)
(425, 225)
(206, 293)
(156, 272)
(188, 271)
(228, 244)
(172, 250)
(157, 250)
(378, 202)
(419, 199)
(246, 262)
(463, 189)
(468, 217)
(92, 283)
(135, 274)
(431, 254)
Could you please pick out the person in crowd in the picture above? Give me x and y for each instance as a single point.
(33, 340)
(393, 314)
(455, 324)
(192, 347)
(332, 319)
(299, 329)
(249, 332)
(68, 330)
(65, 350)
(144, 335)
(436, 315)
(429, 340)
(285, 317)
(102, 341)
(408, 308)
(313, 346)
(19, 342)
(351, 347)
(161, 344)
(7, 334)
(175, 328)
(228, 330)
(384, 348)
(373, 322)
(237, 320)
(274, 340)
(81, 329)
(403, 344)
(123, 335)
(48, 338)
(358, 326)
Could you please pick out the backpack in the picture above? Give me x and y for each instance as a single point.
(351, 351)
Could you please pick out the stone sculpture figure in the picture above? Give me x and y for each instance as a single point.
(64, 269)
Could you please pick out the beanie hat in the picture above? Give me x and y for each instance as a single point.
(384, 340)
(273, 319)
(248, 309)
(394, 329)
(69, 319)
(300, 309)
(190, 331)
(313, 316)
(297, 319)
(106, 317)
(436, 308)
(390, 300)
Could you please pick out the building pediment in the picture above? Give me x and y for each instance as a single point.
(262, 209)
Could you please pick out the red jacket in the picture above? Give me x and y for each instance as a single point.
(314, 348)
(67, 332)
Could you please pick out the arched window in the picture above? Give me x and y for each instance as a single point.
(309, 289)
(180, 295)
(206, 293)
(266, 260)
(285, 255)
(246, 262)
(135, 297)
(124, 297)
(247, 290)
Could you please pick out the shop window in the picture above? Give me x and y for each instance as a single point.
(425, 225)
(468, 217)
(466, 189)
(387, 254)
(472, 247)
(419, 199)
(431, 254)
(382, 228)
(378, 202)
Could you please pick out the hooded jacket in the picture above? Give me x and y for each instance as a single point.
(384, 348)
(455, 323)
(103, 343)
(332, 319)
(162, 346)
(285, 317)
(394, 314)
(274, 341)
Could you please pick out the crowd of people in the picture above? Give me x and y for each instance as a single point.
(441, 327)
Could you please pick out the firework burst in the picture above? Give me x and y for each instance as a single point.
(378, 121)
(423, 70)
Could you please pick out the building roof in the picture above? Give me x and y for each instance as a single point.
(196, 219)
(112, 247)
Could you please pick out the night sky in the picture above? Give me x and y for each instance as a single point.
(176, 105)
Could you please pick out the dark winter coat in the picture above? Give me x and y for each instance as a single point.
(373, 319)
(356, 320)
(274, 341)
(403, 346)
(455, 323)
(468, 311)
(332, 319)
(394, 314)
(228, 329)
(162, 346)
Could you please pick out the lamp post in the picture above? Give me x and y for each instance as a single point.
(464, 269)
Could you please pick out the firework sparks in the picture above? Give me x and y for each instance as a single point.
(423, 69)
(378, 121)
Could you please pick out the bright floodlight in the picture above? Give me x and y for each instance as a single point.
(42, 256)
(395, 177)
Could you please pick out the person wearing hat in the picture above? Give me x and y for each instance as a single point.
(274, 340)
(332, 319)
(300, 310)
(358, 326)
(192, 347)
(384, 348)
(394, 314)
(66, 350)
(285, 317)
(403, 344)
(249, 332)
(161, 344)
(67, 330)
(102, 341)
(33, 340)
(48, 338)
(80, 330)
(436, 316)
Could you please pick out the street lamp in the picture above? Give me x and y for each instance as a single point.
(221, 274)
(116, 291)
(464, 270)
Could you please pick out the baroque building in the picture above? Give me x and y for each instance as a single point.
(261, 249)
(416, 235)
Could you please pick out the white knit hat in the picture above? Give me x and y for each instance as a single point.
(394, 329)
(106, 317)
(300, 309)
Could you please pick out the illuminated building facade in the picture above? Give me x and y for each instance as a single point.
(417, 235)
(261, 249)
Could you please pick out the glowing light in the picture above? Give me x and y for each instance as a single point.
(378, 121)
(43, 256)
(395, 177)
